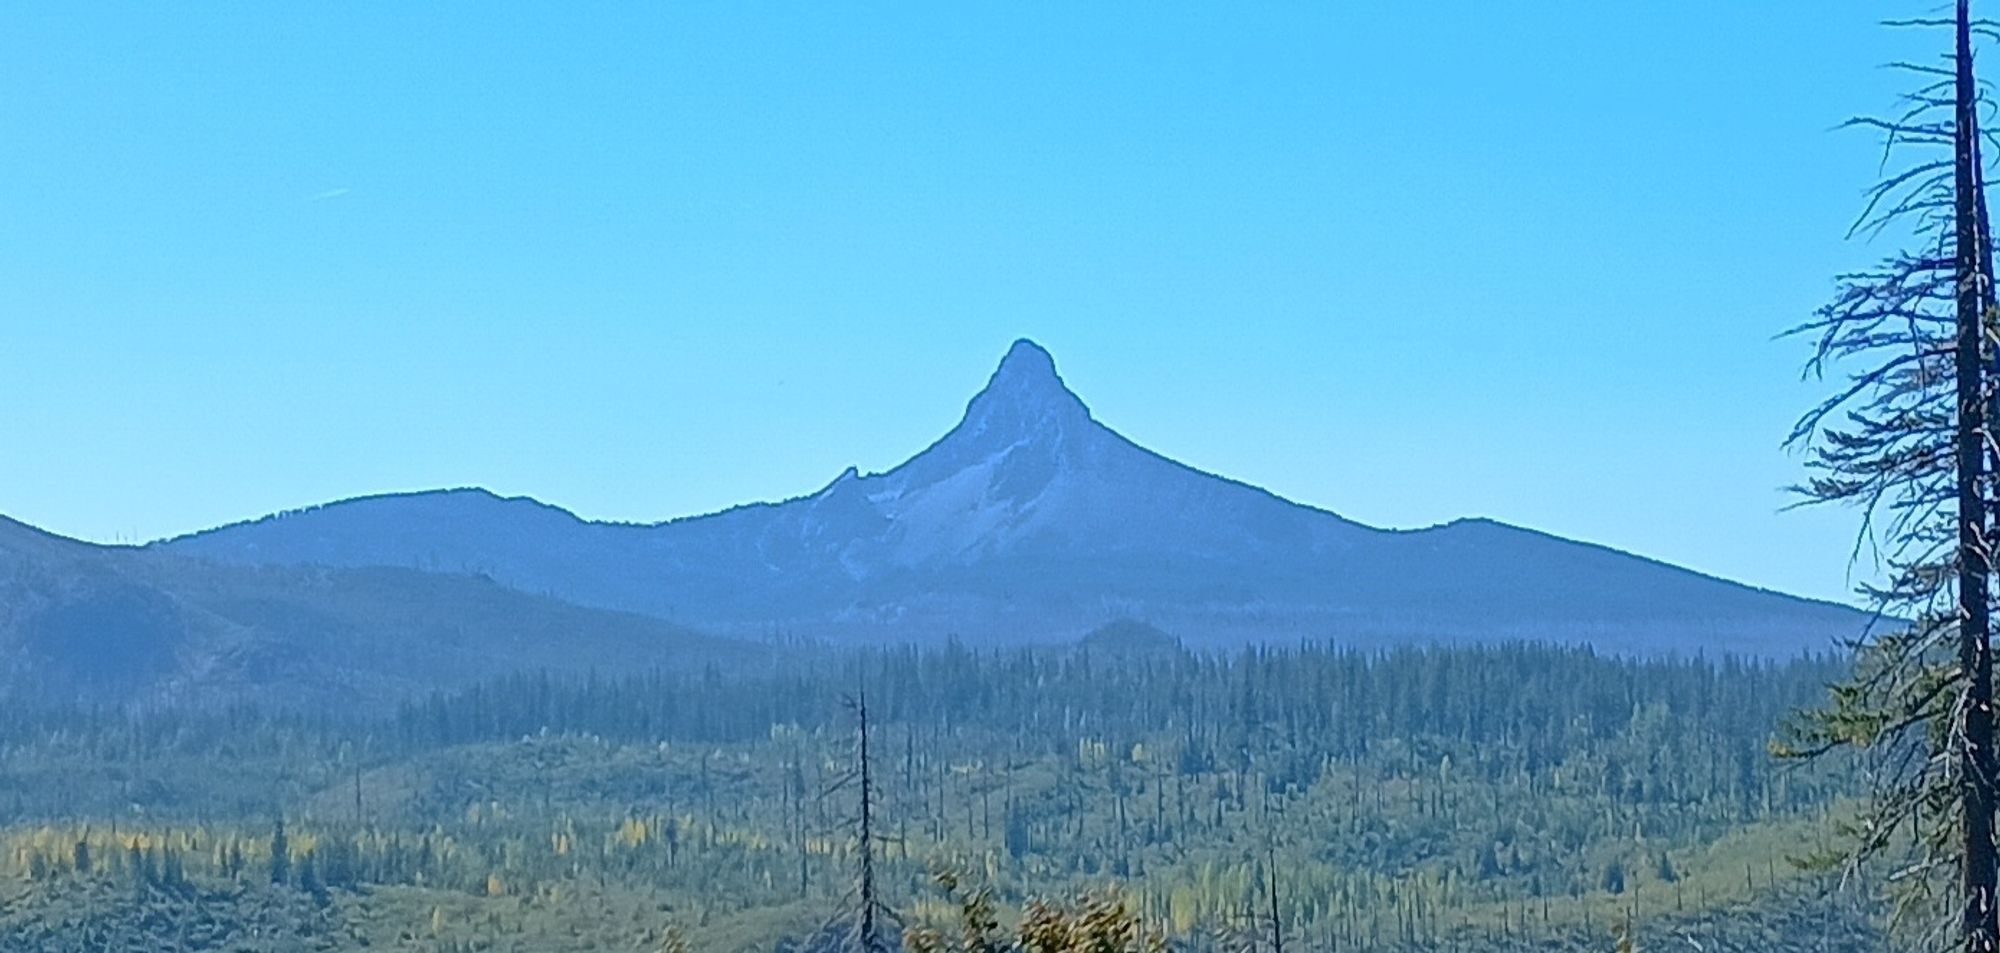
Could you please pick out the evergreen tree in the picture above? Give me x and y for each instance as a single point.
(281, 855)
(309, 877)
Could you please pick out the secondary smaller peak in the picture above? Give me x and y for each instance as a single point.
(847, 476)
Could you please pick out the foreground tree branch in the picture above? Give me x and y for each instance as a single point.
(1906, 440)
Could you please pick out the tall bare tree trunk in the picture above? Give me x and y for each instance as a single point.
(867, 931)
(1277, 922)
(1978, 916)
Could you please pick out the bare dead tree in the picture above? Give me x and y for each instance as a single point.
(1906, 440)
(1978, 920)
(871, 926)
(1271, 895)
(867, 924)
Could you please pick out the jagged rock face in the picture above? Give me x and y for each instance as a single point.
(1032, 521)
(1029, 473)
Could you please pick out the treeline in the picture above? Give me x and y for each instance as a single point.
(1403, 797)
(1697, 725)
(1539, 701)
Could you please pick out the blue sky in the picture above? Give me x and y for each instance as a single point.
(1518, 260)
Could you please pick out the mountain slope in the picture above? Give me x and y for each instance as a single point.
(1031, 521)
(116, 624)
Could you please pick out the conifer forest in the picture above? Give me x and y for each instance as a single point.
(1512, 797)
(1573, 526)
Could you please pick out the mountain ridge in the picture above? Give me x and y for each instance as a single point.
(852, 472)
(1030, 520)
(130, 625)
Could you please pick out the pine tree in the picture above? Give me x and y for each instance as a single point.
(1906, 440)
(281, 855)
(309, 878)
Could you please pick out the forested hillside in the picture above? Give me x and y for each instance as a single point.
(118, 625)
(1474, 798)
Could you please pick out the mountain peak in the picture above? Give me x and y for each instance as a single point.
(1024, 394)
(1030, 521)
(1025, 358)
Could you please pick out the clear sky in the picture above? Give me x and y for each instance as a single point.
(1406, 262)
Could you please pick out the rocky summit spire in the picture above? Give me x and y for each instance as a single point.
(1025, 396)
(1021, 431)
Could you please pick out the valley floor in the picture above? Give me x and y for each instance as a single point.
(1491, 799)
